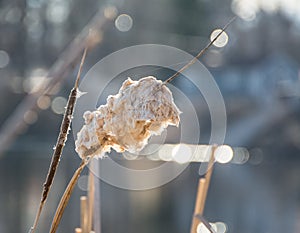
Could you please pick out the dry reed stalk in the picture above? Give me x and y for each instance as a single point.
(198, 207)
(91, 198)
(62, 138)
(203, 186)
(66, 196)
(87, 206)
(84, 210)
(97, 206)
(208, 177)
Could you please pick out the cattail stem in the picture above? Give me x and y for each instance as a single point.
(61, 140)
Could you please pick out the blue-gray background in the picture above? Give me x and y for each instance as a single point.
(258, 75)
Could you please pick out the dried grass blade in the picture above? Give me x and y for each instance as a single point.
(66, 197)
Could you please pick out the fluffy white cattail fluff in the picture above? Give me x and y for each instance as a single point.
(141, 108)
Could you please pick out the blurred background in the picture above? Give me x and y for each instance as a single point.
(257, 71)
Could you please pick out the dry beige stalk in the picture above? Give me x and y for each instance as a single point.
(91, 198)
(66, 196)
(203, 186)
(84, 214)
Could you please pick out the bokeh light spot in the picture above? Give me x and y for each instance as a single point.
(223, 154)
(201, 228)
(222, 40)
(58, 105)
(240, 155)
(221, 227)
(110, 12)
(95, 37)
(36, 80)
(123, 22)
(58, 11)
(164, 155)
(245, 9)
(44, 102)
(182, 153)
(83, 182)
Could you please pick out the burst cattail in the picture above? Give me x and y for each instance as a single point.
(140, 109)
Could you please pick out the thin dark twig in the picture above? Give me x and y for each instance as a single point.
(200, 53)
(62, 138)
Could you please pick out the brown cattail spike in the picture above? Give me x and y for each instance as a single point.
(61, 140)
